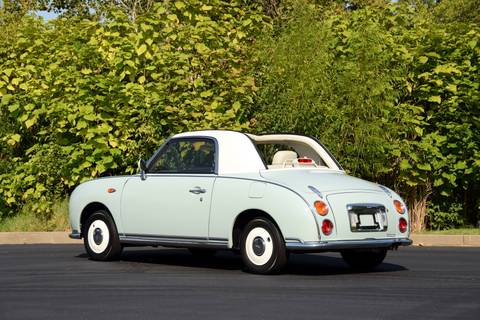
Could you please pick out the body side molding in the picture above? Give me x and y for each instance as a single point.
(172, 241)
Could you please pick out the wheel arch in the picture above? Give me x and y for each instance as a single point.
(242, 220)
(90, 209)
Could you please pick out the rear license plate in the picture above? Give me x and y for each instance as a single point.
(366, 220)
(367, 217)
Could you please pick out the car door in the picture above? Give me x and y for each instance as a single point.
(173, 199)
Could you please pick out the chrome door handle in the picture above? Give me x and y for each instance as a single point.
(197, 190)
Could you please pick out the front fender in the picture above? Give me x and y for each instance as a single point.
(97, 191)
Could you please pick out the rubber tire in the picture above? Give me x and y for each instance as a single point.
(277, 261)
(114, 248)
(202, 253)
(364, 259)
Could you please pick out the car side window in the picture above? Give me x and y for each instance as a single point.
(193, 155)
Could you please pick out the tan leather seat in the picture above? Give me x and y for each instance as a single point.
(283, 159)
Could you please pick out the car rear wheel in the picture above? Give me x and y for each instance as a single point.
(364, 259)
(262, 247)
(101, 237)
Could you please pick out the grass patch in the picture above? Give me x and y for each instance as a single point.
(460, 231)
(27, 221)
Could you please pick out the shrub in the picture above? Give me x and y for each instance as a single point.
(450, 218)
(86, 98)
(391, 92)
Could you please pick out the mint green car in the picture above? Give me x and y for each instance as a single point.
(262, 195)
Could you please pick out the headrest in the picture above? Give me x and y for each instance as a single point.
(283, 155)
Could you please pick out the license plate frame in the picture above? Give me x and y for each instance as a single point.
(367, 217)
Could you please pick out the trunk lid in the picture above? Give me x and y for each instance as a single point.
(324, 180)
(361, 209)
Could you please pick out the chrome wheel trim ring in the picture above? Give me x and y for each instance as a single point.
(252, 239)
(101, 243)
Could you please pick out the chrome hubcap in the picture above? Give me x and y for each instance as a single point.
(97, 236)
(258, 246)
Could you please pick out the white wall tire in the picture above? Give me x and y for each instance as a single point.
(263, 247)
(98, 236)
(259, 246)
(101, 237)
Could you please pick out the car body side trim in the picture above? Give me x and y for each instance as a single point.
(172, 241)
(319, 246)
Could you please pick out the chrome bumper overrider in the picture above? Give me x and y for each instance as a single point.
(297, 245)
(75, 235)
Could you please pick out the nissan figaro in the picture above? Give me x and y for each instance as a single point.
(264, 196)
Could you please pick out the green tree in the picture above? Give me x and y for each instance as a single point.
(391, 92)
(458, 11)
(86, 98)
(324, 75)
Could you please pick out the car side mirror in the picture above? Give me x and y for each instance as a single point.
(142, 168)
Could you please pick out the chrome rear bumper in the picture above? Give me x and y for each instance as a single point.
(319, 246)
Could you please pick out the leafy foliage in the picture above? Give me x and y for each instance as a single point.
(458, 11)
(393, 94)
(440, 152)
(445, 220)
(84, 98)
(391, 88)
(325, 76)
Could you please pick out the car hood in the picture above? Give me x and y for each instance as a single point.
(324, 180)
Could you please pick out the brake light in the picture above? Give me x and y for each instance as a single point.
(321, 207)
(327, 227)
(399, 206)
(402, 225)
(304, 160)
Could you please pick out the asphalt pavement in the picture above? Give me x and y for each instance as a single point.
(60, 282)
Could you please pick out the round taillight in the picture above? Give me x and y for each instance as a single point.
(402, 225)
(321, 207)
(327, 227)
(399, 206)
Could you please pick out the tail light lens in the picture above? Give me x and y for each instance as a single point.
(321, 207)
(402, 225)
(327, 227)
(399, 206)
(305, 160)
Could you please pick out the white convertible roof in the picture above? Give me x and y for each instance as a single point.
(238, 152)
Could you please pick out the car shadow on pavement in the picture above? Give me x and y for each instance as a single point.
(318, 264)
(299, 264)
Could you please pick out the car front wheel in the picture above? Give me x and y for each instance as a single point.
(101, 237)
(262, 246)
(364, 259)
